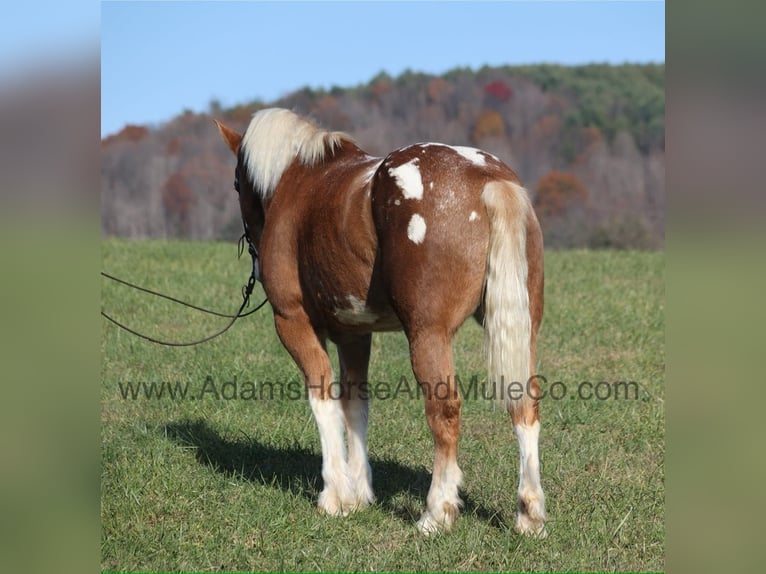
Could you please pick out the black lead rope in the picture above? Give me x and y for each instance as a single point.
(247, 290)
(179, 301)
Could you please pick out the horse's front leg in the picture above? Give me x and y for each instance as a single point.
(308, 350)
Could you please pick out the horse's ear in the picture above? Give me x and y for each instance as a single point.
(231, 137)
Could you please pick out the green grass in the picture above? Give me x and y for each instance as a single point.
(210, 484)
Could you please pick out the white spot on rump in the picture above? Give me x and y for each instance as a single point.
(473, 155)
(473, 217)
(416, 230)
(408, 179)
(397, 202)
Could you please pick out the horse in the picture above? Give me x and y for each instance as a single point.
(349, 244)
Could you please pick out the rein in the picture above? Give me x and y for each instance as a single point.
(247, 290)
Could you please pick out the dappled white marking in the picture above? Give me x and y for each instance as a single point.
(431, 185)
(356, 313)
(397, 202)
(416, 230)
(408, 179)
(471, 154)
(473, 217)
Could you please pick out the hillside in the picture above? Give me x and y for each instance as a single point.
(587, 141)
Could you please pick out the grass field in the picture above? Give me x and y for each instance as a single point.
(205, 483)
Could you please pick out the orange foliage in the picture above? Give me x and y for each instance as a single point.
(489, 124)
(558, 191)
(173, 147)
(130, 133)
(177, 198)
(379, 89)
(437, 89)
(547, 127)
(591, 136)
(326, 104)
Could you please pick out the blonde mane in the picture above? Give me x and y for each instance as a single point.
(275, 137)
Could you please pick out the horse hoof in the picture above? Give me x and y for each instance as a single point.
(427, 525)
(530, 519)
(330, 504)
(530, 527)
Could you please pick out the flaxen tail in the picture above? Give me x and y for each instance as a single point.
(507, 323)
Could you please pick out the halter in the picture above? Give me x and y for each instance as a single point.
(255, 273)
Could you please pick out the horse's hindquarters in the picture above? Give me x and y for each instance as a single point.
(433, 234)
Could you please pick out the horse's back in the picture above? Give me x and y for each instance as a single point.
(438, 187)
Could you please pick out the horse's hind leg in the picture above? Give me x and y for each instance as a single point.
(525, 412)
(431, 355)
(308, 351)
(354, 358)
(530, 518)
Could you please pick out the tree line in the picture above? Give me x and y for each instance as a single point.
(587, 141)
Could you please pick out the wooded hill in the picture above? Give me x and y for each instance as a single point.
(587, 141)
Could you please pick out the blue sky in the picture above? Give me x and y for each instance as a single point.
(159, 58)
(46, 33)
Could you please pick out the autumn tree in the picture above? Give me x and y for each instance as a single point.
(499, 90)
(490, 124)
(177, 199)
(438, 89)
(558, 192)
(130, 133)
(328, 111)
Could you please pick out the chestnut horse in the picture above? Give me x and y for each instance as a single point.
(418, 241)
